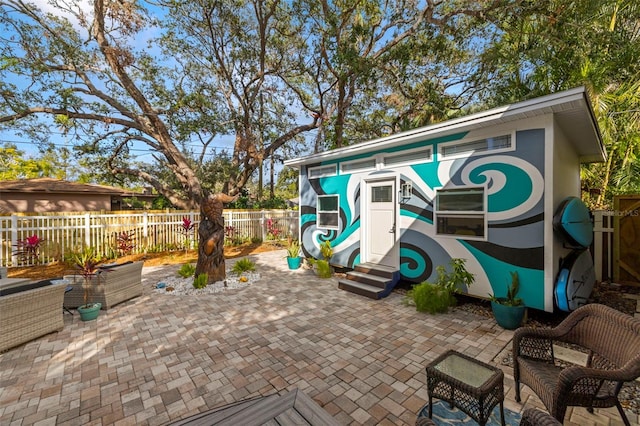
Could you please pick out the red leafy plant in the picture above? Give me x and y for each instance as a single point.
(272, 230)
(187, 227)
(125, 242)
(86, 263)
(29, 248)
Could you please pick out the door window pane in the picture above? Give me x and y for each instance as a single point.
(381, 194)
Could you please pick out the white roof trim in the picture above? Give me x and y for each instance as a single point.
(556, 103)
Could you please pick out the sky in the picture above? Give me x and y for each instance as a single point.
(60, 139)
(140, 151)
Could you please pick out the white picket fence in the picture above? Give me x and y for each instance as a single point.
(66, 233)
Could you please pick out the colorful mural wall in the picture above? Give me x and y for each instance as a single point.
(513, 181)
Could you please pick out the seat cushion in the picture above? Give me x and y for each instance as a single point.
(541, 377)
(24, 287)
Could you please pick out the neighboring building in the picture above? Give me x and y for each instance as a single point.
(483, 187)
(56, 195)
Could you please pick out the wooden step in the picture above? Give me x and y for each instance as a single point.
(362, 289)
(370, 280)
(378, 270)
(364, 278)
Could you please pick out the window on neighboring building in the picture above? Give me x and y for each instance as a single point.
(322, 171)
(328, 211)
(461, 212)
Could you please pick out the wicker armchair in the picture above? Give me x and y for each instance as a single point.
(535, 417)
(612, 339)
(111, 285)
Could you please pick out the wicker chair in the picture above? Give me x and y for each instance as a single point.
(611, 338)
(535, 417)
(111, 285)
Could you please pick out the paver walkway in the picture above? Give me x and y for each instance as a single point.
(160, 358)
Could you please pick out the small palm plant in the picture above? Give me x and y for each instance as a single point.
(293, 250)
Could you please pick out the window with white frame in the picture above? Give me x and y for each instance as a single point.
(475, 147)
(414, 156)
(461, 212)
(322, 171)
(328, 212)
(358, 165)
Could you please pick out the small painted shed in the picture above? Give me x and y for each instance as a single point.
(483, 187)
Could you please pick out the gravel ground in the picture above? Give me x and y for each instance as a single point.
(177, 286)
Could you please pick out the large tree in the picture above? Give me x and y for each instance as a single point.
(552, 45)
(265, 72)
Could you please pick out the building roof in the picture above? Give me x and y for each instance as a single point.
(51, 185)
(571, 109)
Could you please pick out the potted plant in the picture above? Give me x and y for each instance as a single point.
(321, 266)
(87, 265)
(509, 311)
(293, 254)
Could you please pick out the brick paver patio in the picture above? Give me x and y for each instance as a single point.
(161, 358)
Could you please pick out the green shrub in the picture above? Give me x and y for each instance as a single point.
(326, 250)
(200, 281)
(431, 298)
(323, 269)
(438, 297)
(243, 265)
(187, 270)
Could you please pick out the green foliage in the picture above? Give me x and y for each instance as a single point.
(293, 250)
(326, 250)
(430, 298)
(200, 281)
(512, 292)
(243, 265)
(457, 278)
(15, 164)
(187, 270)
(438, 297)
(323, 269)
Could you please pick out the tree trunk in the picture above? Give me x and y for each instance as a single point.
(211, 234)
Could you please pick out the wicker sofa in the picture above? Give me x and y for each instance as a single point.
(111, 285)
(28, 311)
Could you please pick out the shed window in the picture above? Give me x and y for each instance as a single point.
(461, 212)
(459, 149)
(322, 171)
(415, 156)
(328, 212)
(358, 165)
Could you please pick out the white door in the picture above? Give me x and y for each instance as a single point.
(380, 223)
